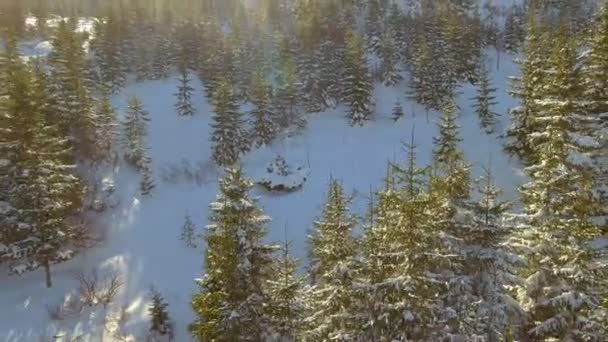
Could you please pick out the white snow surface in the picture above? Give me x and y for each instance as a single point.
(142, 234)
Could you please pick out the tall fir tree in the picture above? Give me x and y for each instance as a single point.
(286, 298)
(527, 88)
(450, 163)
(484, 101)
(229, 136)
(107, 126)
(357, 84)
(160, 324)
(184, 105)
(390, 72)
(262, 114)
(332, 269)
(231, 302)
(134, 133)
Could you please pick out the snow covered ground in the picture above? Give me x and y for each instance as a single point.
(142, 238)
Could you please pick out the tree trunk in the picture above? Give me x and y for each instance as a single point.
(47, 273)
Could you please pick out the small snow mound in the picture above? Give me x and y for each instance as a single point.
(43, 48)
(280, 177)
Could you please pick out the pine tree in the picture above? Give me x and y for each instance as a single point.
(188, 233)
(286, 298)
(261, 114)
(400, 282)
(358, 85)
(484, 101)
(110, 46)
(374, 21)
(134, 133)
(159, 317)
(449, 158)
(108, 127)
(48, 195)
(287, 104)
(484, 271)
(527, 88)
(184, 94)
(424, 87)
(228, 137)
(397, 111)
(230, 305)
(561, 292)
(513, 32)
(332, 269)
(146, 184)
(388, 53)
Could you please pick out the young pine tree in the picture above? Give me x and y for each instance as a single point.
(161, 328)
(332, 269)
(107, 131)
(188, 235)
(388, 53)
(146, 184)
(232, 300)
(261, 114)
(484, 101)
(134, 133)
(286, 298)
(184, 105)
(397, 111)
(453, 171)
(358, 84)
(228, 137)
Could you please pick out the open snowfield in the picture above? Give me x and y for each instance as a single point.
(142, 237)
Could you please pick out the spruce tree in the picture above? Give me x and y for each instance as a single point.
(232, 297)
(48, 195)
(286, 298)
(134, 133)
(332, 269)
(448, 157)
(527, 88)
(146, 184)
(187, 234)
(388, 53)
(287, 103)
(107, 133)
(184, 94)
(358, 85)
(397, 112)
(562, 290)
(261, 115)
(228, 137)
(160, 324)
(484, 101)
(399, 282)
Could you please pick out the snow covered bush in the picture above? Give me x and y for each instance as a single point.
(280, 177)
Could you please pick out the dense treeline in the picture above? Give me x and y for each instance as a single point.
(440, 256)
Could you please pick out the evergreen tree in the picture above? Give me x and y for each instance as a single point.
(358, 85)
(134, 133)
(397, 111)
(388, 53)
(449, 158)
(228, 137)
(146, 184)
(159, 317)
(484, 101)
(107, 126)
(286, 298)
(514, 32)
(332, 269)
(188, 233)
(399, 282)
(231, 302)
(261, 114)
(48, 195)
(527, 88)
(109, 46)
(184, 94)
(561, 292)
(287, 104)
(484, 269)
(424, 87)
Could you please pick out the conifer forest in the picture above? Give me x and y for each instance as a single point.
(304, 170)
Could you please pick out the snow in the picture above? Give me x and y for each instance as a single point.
(141, 236)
